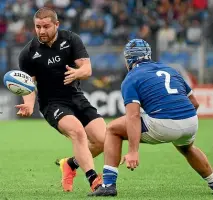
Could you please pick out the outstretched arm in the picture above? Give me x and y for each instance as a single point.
(26, 65)
(26, 109)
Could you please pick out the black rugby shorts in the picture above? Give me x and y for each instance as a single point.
(82, 110)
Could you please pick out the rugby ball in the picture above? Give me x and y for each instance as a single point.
(19, 83)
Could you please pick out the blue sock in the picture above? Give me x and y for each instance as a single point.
(109, 175)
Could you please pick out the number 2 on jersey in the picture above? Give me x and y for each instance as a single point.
(167, 82)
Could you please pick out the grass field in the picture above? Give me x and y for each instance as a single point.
(28, 150)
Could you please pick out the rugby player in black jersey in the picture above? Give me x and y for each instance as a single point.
(57, 60)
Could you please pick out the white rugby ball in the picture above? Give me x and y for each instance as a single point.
(19, 83)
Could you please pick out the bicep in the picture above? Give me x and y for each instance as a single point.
(132, 110)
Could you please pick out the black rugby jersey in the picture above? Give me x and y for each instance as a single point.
(48, 65)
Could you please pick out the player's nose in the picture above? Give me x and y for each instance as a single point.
(42, 31)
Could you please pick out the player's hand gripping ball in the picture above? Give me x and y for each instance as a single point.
(19, 83)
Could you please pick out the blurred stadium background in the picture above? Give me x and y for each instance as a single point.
(180, 33)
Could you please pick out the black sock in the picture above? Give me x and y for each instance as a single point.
(72, 162)
(91, 176)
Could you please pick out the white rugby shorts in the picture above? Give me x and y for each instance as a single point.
(179, 132)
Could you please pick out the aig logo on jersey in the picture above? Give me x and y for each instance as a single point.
(54, 60)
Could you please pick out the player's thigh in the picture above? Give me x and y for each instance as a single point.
(93, 123)
(96, 130)
(54, 112)
(62, 118)
(118, 127)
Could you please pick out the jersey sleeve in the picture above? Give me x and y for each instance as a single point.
(78, 49)
(129, 93)
(25, 63)
(188, 89)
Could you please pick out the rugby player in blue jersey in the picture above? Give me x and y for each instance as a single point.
(170, 116)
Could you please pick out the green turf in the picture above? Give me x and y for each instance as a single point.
(28, 150)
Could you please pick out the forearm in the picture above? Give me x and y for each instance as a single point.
(30, 98)
(84, 71)
(133, 124)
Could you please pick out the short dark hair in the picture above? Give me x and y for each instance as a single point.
(46, 12)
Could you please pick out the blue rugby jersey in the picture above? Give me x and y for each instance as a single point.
(159, 89)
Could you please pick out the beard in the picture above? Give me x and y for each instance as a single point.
(47, 38)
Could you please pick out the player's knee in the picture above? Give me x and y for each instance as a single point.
(114, 129)
(110, 129)
(72, 128)
(98, 145)
(97, 142)
(76, 134)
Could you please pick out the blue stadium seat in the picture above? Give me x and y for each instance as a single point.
(182, 58)
(96, 40)
(110, 60)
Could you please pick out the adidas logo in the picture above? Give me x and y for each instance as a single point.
(37, 55)
(62, 45)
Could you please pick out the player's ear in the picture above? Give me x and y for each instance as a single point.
(57, 24)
